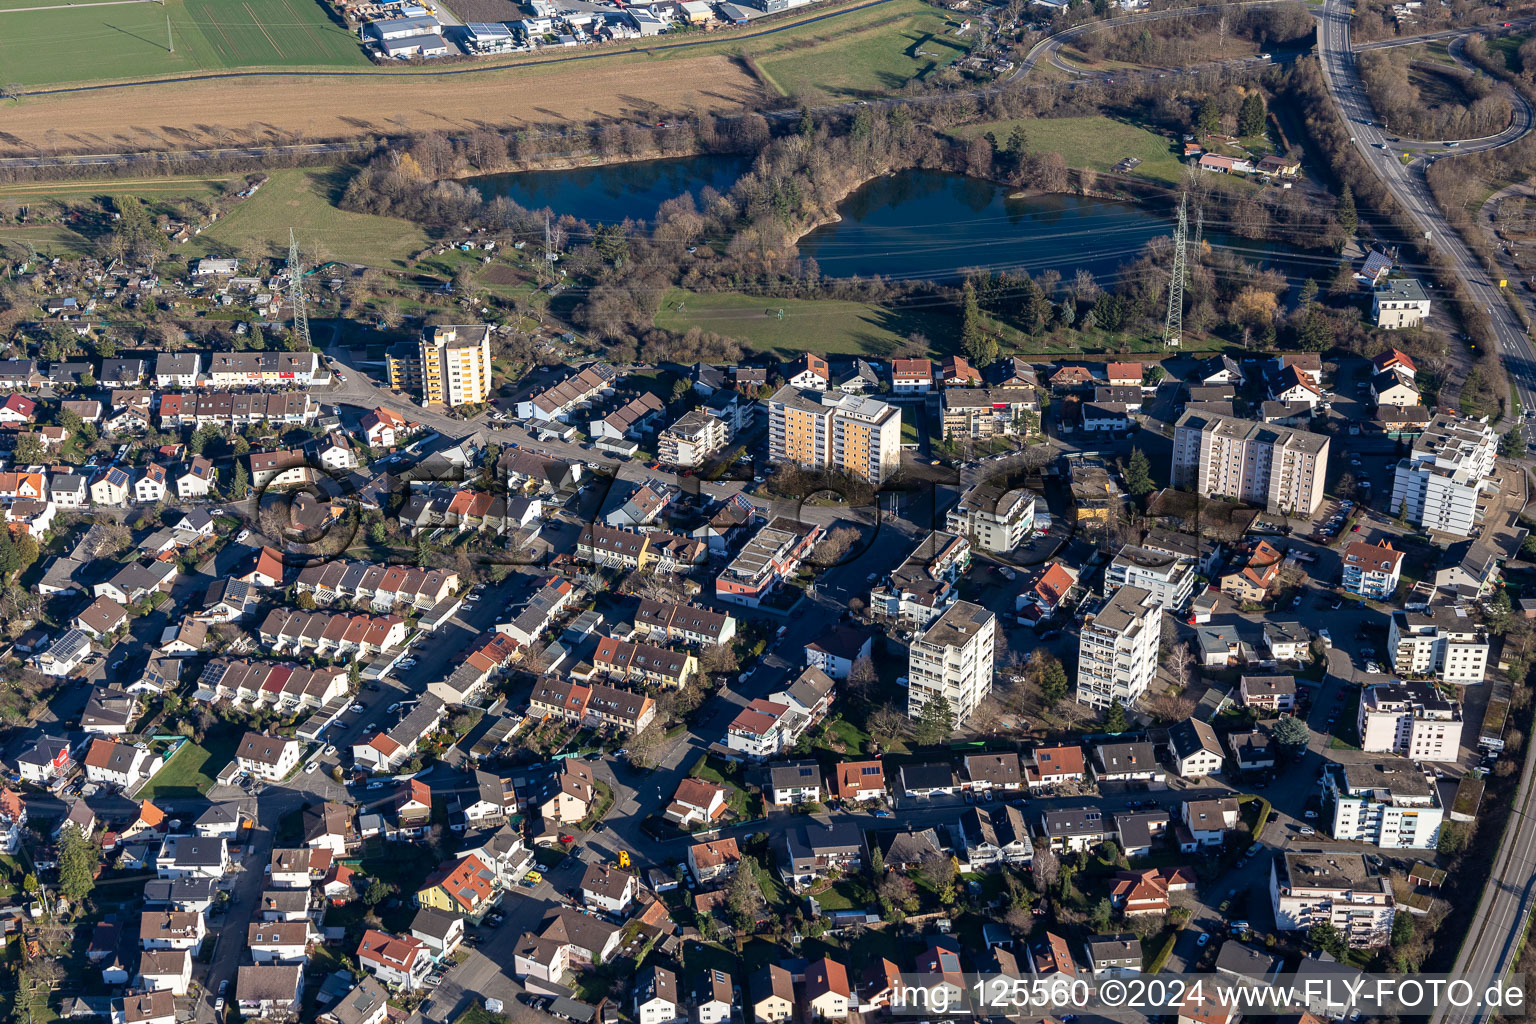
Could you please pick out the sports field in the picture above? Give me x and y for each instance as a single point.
(100, 41)
(897, 43)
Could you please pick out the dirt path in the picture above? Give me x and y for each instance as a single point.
(189, 114)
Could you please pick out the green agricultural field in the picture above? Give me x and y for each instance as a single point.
(909, 40)
(1097, 143)
(94, 42)
(826, 326)
(304, 199)
(151, 190)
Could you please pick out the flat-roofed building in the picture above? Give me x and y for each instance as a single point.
(1392, 804)
(1412, 719)
(1438, 484)
(1117, 649)
(1278, 468)
(952, 659)
(831, 430)
(1169, 579)
(1309, 887)
(994, 518)
(1441, 641)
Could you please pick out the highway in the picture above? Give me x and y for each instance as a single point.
(1409, 188)
(1498, 924)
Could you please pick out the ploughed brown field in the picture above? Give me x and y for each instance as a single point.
(183, 115)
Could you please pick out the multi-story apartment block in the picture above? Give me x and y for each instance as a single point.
(981, 413)
(1308, 887)
(1117, 649)
(1399, 302)
(692, 439)
(1277, 467)
(1437, 485)
(1169, 579)
(1372, 570)
(1393, 804)
(1441, 642)
(994, 518)
(451, 366)
(830, 430)
(923, 586)
(766, 560)
(1412, 719)
(952, 659)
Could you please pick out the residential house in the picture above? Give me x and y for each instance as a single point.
(858, 781)
(1273, 693)
(1113, 956)
(798, 782)
(1126, 762)
(399, 961)
(609, 889)
(1052, 766)
(1194, 749)
(465, 887)
(267, 757)
(696, 802)
(827, 993)
(656, 1000)
(1209, 821)
(442, 933)
(278, 942)
(807, 853)
(773, 995)
(120, 764)
(712, 860)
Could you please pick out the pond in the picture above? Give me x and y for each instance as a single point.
(910, 225)
(934, 225)
(608, 194)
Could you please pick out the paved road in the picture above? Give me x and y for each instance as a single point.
(1450, 33)
(1409, 188)
(1499, 921)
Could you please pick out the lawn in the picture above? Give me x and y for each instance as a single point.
(1097, 143)
(1509, 46)
(910, 40)
(151, 190)
(191, 770)
(303, 199)
(828, 326)
(129, 40)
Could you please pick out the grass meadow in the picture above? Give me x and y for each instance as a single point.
(88, 42)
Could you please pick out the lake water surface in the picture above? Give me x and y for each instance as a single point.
(910, 225)
(608, 194)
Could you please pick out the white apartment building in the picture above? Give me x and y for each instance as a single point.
(1279, 468)
(1442, 642)
(830, 430)
(1308, 887)
(993, 518)
(1399, 302)
(922, 587)
(1411, 719)
(1169, 579)
(1437, 485)
(692, 440)
(953, 659)
(1117, 649)
(1392, 804)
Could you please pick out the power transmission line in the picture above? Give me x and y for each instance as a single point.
(296, 292)
(1173, 328)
